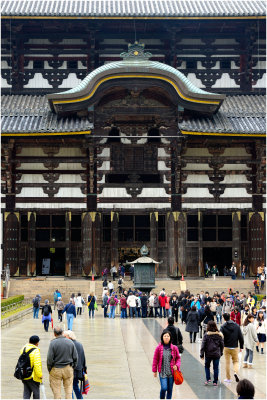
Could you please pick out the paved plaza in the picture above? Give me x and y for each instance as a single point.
(119, 357)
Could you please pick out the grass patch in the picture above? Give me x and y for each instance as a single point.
(18, 310)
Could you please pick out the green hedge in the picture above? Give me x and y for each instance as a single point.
(11, 300)
(260, 296)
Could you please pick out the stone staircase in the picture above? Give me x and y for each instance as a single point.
(45, 286)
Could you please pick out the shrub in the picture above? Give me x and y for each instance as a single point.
(11, 300)
(260, 297)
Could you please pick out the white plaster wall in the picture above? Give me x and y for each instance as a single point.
(197, 179)
(70, 166)
(197, 192)
(261, 83)
(197, 82)
(69, 192)
(105, 166)
(32, 192)
(162, 166)
(105, 152)
(260, 65)
(31, 151)
(4, 83)
(197, 167)
(153, 192)
(70, 82)
(183, 64)
(37, 82)
(70, 152)
(234, 167)
(165, 180)
(235, 179)
(4, 65)
(30, 166)
(47, 206)
(114, 192)
(235, 192)
(225, 41)
(133, 206)
(215, 206)
(237, 151)
(162, 152)
(32, 178)
(191, 151)
(225, 81)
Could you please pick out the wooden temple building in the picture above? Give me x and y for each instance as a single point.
(133, 122)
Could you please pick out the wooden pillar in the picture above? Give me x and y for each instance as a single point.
(114, 238)
(8, 174)
(87, 228)
(200, 245)
(32, 243)
(154, 235)
(171, 265)
(236, 240)
(182, 267)
(256, 241)
(68, 244)
(11, 242)
(91, 180)
(97, 245)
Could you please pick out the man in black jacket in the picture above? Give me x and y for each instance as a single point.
(176, 335)
(232, 335)
(144, 300)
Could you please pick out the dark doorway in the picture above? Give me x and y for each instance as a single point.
(57, 260)
(220, 256)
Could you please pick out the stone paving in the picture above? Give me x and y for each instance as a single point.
(119, 357)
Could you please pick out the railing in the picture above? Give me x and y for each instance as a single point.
(14, 306)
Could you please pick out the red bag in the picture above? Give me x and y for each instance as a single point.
(178, 377)
(52, 323)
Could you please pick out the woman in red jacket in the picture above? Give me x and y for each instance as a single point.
(235, 316)
(166, 360)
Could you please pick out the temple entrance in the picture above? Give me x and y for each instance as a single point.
(220, 256)
(127, 255)
(54, 261)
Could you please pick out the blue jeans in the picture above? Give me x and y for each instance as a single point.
(219, 318)
(70, 321)
(76, 389)
(138, 312)
(216, 362)
(112, 311)
(160, 312)
(35, 312)
(132, 311)
(248, 356)
(243, 275)
(166, 386)
(91, 311)
(123, 313)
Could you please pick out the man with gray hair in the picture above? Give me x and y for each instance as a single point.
(62, 359)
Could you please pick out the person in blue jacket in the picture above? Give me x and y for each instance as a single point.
(71, 313)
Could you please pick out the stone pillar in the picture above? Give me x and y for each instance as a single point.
(171, 265)
(32, 243)
(182, 267)
(68, 244)
(236, 244)
(114, 239)
(87, 228)
(11, 242)
(154, 235)
(200, 245)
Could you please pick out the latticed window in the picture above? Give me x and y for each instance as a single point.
(134, 159)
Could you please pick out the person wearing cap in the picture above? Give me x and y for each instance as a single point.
(31, 385)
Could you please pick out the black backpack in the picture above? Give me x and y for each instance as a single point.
(46, 311)
(23, 368)
(36, 302)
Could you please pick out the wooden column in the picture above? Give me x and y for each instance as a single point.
(114, 238)
(68, 244)
(236, 240)
(11, 242)
(256, 241)
(91, 180)
(97, 245)
(154, 235)
(200, 245)
(171, 265)
(87, 229)
(8, 174)
(182, 268)
(32, 243)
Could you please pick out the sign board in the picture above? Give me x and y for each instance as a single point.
(182, 285)
(46, 266)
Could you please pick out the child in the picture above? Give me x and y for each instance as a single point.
(212, 347)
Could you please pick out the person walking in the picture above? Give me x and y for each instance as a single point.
(177, 337)
(206, 317)
(250, 338)
(260, 325)
(123, 304)
(62, 358)
(71, 313)
(262, 279)
(91, 300)
(166, 360)
(144, 301)
(236, 316)
(151, 305)
(156, 305)
(214, 271)
(232, 336)
(60, 308)
(162, 303)
(31, 385)
(174, 307)
(36, 305)
(244, 271)
(105, 305)
(192, 323)
(219, 313)
(131, 302)
(56, 294)
(112, 302)
(46, 315)
(212, 347)
(79, 302)
(120, 283)
(113, 272)
(80, 368)
(110, 287)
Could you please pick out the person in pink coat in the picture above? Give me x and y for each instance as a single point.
(166, 360)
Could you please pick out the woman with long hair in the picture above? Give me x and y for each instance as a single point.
(250, 338)
(192, 323)
(260, 325)
(165, 361)
(212, 347)
(91, 304)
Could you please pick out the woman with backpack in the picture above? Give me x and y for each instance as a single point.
(112, 302)
(91, 304)
(46, 315)
(212, 347)
(166, 360)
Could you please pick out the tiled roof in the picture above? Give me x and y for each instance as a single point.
(238, 115)
(31, 114)
(134, 8)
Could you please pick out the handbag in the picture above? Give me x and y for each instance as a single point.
(95, 306)
(178, 377)
(85, 385)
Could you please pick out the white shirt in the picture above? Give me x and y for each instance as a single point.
(78, 301)
(110, 285)
(131, 301)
